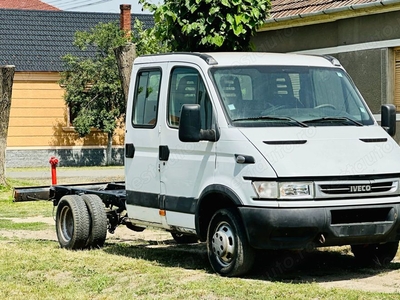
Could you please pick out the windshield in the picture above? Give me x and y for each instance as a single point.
(289, 96)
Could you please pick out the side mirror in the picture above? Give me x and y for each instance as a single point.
(388, 118)
(190, 125)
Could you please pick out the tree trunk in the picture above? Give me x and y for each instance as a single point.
(125, 56)
(6, 82)
(109, 149)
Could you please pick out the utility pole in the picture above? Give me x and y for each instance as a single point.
(6, 83)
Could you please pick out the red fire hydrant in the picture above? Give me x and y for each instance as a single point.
(53, 162)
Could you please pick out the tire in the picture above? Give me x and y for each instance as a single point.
(228, 250)
(375, 254)
(98, 221)
(72, 222)
(181, 238)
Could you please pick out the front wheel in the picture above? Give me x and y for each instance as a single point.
(228, 250)
(376, 254)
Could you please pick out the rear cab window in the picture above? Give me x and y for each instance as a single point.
(146, 98)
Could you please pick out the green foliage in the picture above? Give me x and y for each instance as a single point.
(208, 25)
(93, 87)
(146, 40)
(92, 83)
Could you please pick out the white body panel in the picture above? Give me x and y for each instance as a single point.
(328, 151)
(142, 171)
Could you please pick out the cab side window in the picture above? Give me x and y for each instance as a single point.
(187, 87)
(145, 102)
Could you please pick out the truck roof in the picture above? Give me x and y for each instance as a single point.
(241, 58)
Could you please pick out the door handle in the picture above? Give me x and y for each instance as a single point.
(129, 150)
(163, 152)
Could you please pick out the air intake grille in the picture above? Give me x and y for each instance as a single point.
(357, 188)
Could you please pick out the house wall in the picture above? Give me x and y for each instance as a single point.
(345, 32)
(364, 46)
(38, 127)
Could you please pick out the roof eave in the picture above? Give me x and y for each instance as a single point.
(331, 15)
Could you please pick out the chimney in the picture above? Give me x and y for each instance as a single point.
(125, 19)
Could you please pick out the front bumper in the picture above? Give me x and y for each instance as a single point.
(302, 228)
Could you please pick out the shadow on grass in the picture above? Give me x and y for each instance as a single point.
(167, 253)
(314, 266)
(283, 266)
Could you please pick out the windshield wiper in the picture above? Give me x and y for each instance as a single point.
(290, 119)
(343, 119)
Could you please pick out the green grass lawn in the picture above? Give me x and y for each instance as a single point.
(143, 269)
(33, 269)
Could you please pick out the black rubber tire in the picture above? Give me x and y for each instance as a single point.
(228, 249)
(72, 222)
(98, 221)
(375, 254)
(181, 238)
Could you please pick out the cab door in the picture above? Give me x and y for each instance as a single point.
(186, 168)
(142, 147)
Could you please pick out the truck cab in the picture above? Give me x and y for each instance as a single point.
(254, 151)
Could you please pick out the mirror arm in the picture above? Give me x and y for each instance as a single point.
(208, 135)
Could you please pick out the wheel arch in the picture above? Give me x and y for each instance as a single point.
(208, 205)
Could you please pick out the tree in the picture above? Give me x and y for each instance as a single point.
(146, 40)
(93, 88)
(143, 42)
(125, 56)
(208, 25)
(6, 82)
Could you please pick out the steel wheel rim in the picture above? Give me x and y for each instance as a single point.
(66, 224)
(223, 244)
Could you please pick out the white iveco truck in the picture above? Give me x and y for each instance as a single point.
(247, 151)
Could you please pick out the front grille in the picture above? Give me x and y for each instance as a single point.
(357, 188)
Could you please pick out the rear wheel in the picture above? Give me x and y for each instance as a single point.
(72, 222)
(228, 250)
(375, 254)
(98, 221)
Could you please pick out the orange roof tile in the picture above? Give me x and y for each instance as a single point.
(288, 8)
(26, 5)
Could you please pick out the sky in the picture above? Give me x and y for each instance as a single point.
(111, 6)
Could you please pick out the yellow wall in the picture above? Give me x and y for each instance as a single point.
(38, 116)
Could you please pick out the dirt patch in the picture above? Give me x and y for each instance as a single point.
(387, 282)
(121, 235)
(329, 269)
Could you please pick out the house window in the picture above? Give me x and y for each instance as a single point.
(74, 108)
(72, 114)
(397, 79)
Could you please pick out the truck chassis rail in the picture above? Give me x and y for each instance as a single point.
(111, 193)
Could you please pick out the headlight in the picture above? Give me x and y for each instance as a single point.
(296, 190)
(284, 190)
(266, 189)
